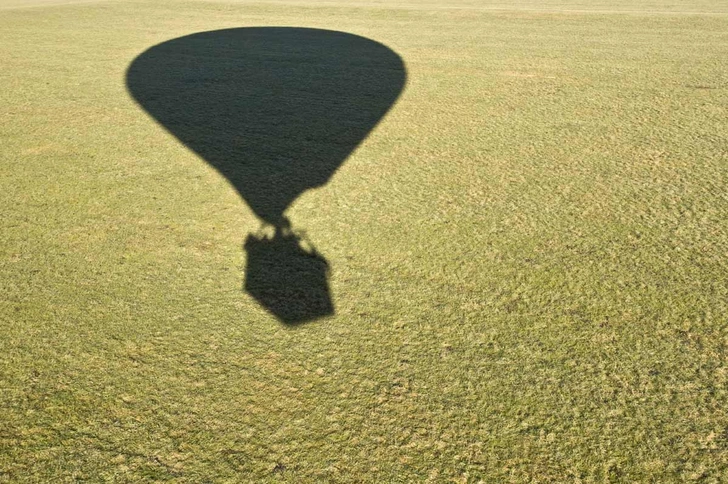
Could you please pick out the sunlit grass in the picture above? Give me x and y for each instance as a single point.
(528, 257)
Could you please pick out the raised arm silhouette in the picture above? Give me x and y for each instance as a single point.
(276, 110)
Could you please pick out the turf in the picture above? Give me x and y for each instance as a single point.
(528, 256)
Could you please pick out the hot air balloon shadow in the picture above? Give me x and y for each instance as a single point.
(276, 110)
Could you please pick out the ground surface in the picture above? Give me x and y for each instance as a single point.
(528, 256)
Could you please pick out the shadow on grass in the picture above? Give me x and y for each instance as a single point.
(276, 110)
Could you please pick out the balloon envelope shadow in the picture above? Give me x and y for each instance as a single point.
(276, 110)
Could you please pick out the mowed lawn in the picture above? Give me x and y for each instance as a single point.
(528, 256)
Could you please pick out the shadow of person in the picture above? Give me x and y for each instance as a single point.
(276, 110)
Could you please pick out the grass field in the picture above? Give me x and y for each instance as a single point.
(528, 255)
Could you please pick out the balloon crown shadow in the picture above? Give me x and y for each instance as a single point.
(276, 110)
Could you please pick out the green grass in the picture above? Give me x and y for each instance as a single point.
(529, 257)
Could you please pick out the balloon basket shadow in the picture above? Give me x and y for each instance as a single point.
(289, 280)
